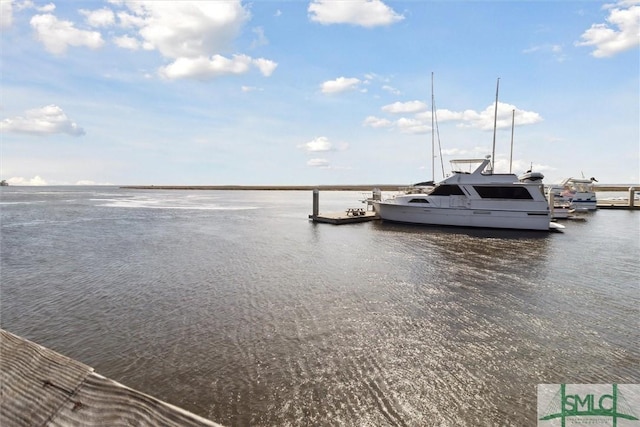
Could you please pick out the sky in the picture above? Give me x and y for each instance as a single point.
(316, 92)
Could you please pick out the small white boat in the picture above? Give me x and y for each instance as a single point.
(478, 198)
(578, 192)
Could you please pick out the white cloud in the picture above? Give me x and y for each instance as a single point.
(320, 143)
(553, 49)
(619, 34)
(127, 20)
(127, 42)
(391, 89)
(365, 13)
(266, 66)
(6, 14)
(48, 8)
(194, 35)
(445, 115)
(420, 122)
(8, 6)
(377, 122)
(18, 180)
(247, 89)
(413, 126)
(42, 121)
(318, 163)
(261, 39)
(99, 18)
(485, 119)
(58, 35)
(404, 124)
(405, 107)
(186, 28)
(204, 68)
(341, 84)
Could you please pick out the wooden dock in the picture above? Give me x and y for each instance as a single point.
(618, 204)
(39, 387)
(348, 216)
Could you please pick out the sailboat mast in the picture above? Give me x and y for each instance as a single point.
(495, 122)
(513, 122)
(433, 144)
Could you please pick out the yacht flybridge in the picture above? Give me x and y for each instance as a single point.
(474, 198)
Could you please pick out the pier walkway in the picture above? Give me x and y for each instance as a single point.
(39, 387)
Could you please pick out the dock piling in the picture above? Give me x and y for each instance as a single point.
(316, 202)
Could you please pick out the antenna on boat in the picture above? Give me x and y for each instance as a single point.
(513, 121)
(495, 123)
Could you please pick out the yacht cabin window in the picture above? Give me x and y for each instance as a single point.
(447, 190)
(496, 192)
(418, 201)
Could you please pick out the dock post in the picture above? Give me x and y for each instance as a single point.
(376, 196)
(632, 195)
(316, 202)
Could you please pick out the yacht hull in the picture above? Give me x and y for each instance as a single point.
(464, 217)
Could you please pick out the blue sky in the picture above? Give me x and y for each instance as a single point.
(314, 92)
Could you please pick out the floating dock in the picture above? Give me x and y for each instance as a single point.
(40, 387)
(348, 216)
(338, 218)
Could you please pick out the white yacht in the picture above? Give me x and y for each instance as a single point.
(479, 198)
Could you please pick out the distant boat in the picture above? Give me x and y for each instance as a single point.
(579, 192)
(473, 199)
(4, 183)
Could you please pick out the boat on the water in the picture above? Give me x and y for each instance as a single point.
(479, 198)
(578, 192)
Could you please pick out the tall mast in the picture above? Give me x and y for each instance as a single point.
(433, 144)
(495, 122)
(513, 122)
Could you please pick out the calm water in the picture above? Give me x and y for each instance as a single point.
(234, 306)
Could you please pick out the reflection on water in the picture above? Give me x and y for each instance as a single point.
(236, 307)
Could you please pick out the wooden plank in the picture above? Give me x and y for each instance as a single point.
(105, 402)
(35, 381)
(40, 387)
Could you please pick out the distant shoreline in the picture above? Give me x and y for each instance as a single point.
(382, 187)
(356, 187)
